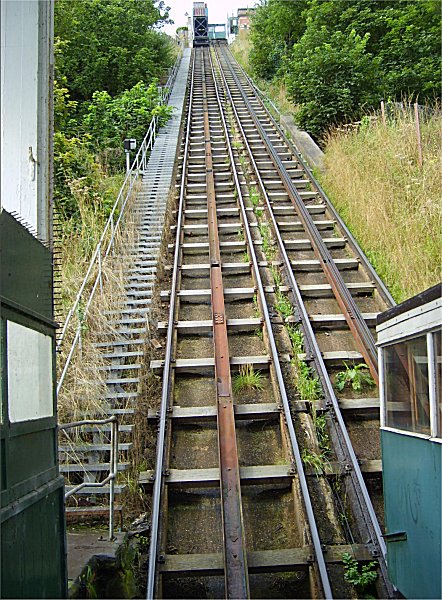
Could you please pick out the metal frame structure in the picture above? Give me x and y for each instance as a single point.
(113, 464)
(277, 366)
(159, 471)
(232, 589)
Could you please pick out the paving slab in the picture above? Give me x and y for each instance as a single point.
(82, 546)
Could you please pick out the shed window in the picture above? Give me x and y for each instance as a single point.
(29, 358)
(406, 386)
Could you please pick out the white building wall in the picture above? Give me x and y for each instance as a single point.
(26, 111)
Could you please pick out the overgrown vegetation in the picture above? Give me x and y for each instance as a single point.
(338, 58)
(356, 376)
(362, 577)
(248, 379)
(390, 204)
(109, 61)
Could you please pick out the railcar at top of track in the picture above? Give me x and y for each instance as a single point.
(252, 227)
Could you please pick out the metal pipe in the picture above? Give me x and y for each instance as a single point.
(113, 464)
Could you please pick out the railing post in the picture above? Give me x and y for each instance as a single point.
(100, 277)
(80, 341)
(114, 451)
(418, 135)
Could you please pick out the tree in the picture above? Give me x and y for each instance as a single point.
(111, 44)
(276, 26)
(109, 120)
(340, 57)
(331, 77)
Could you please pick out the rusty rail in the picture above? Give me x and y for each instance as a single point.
(235, 560)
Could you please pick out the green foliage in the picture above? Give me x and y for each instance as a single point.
(307, 384)
(340, 57)
(296, 338)
(254, 196)
(111, 44)
(106, 89)
(355, 375)
(248, 379)
(267, 244)
(276, 24)
(311, 459)
(110, 120)
(362, 577)
(331, 77)
(282, 304)
(73, 161)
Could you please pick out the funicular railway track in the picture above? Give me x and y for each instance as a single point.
(236, 511)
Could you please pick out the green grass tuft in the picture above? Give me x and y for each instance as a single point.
(248, 379)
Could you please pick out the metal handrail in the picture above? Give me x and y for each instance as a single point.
(167, 89)
(113, 464)
(104, 247)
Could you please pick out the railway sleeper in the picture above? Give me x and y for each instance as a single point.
(259, 561)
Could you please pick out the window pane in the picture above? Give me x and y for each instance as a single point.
(406, 386)
(438, 354)
(30, 389)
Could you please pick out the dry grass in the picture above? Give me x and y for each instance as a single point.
(391, 205)
(241, 49)
(84, 386)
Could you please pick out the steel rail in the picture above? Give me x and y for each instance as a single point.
(317, 544)
(372, 524)
(388, 298)
(235, 558)
(363, 338)
(165, 396)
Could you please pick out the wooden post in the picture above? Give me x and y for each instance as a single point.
(383, 113)
(418, 135)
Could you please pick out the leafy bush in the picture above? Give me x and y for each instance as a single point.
(361, 50)
(331, 77)
(73, 161)
(110, 120)
(360, 578)
(111, 44)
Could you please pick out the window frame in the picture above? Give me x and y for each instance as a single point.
(435, 435)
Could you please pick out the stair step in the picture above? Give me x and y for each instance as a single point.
(85, 448)
(99, 491)
(90, 468)
(127, 367)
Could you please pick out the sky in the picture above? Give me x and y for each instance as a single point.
(218, 11)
